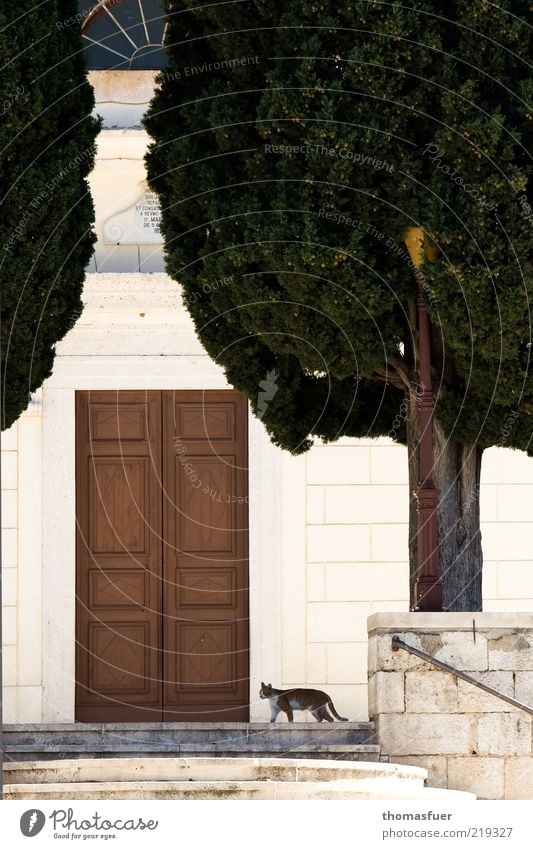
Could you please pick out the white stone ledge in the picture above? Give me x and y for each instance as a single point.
(121, 143)
(127, 281)
(391, 622)
(123, 340)
(139, 372)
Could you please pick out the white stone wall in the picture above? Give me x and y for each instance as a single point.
(356, 555)
(122, 97)
(117, 182)
(326, 554)
(467, 739)
(9, 567)
(507, 513)
(353, 555)
(119, 177)
(329, 537)
(134, 333)
(22, 567)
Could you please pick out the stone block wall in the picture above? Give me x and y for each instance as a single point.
(467, 739)
(354, 559)
(21, 567)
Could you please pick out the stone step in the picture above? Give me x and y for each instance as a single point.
(204, 769)
(218, 778)
(235, 790)
(354, 740)
(357, 752)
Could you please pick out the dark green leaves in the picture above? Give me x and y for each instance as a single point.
(46, 151)
(290, 163)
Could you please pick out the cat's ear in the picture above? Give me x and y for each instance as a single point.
(270, 685)
(263, 684)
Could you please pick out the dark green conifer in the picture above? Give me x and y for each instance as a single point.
(47, 140)
(288, 184)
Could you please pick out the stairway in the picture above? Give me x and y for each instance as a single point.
(218, 778)
(353, 741)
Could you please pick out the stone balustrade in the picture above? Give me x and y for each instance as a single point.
(467, 739)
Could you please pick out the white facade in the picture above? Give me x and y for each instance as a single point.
(328, 531)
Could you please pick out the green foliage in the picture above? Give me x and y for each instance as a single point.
(288, 180)
(47, 149)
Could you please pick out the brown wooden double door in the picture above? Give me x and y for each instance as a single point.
(162, 557)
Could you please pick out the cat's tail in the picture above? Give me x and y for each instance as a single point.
(334, 712)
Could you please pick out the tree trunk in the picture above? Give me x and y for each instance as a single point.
(457, 474)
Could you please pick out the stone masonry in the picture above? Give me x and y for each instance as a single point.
(467, 739)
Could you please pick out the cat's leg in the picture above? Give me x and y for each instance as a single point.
(286, 708)
(325, 714)
(322, 713)
(274, 710)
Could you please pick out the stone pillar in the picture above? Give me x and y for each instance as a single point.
(467, 739)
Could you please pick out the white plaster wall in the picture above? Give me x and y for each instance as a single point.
(117, 182)
(134, 333)
(122, 97)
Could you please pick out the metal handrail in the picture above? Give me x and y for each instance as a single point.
(397, 643)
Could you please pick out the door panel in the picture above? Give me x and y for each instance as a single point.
(118, 556)
(206, 659)
(118, 493)
(205, 517)
(205, 627)
(162, 556)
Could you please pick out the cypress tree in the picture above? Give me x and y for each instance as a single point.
(47, 145)
(290, 184)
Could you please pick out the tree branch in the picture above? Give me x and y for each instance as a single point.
(389, 376)
(402, 371)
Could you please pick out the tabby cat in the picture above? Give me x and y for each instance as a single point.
(315, 701)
